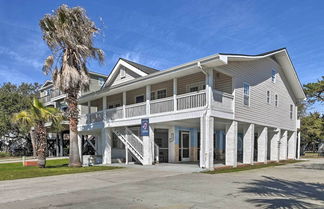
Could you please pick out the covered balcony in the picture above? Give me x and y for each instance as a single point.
(186, 93)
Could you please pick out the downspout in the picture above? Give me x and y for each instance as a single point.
(204, 115)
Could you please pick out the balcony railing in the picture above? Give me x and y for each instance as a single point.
(221, 101)
(162, 105)
(135, 110)
(191, 100)
(53, 94)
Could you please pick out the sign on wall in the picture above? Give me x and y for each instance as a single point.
(145, 127)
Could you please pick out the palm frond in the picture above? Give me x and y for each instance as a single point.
(48, 64)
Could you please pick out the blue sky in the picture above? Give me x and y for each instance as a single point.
(164, 33)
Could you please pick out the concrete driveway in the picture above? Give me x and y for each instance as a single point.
(298, 185)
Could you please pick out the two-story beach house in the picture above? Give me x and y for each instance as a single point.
(58, 141)
(221, 109)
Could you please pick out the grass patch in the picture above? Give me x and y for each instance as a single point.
(10, 171)
(250, 167)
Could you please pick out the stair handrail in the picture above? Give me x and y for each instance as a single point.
(122, 131)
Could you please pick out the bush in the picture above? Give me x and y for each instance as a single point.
(4, 154)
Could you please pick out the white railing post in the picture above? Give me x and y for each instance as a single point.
(124, 104)
(175, 90)
(148, 98)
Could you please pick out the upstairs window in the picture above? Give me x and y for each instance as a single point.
(161, 93)
(276, 100)
(139, 99)
(246, 91)
(273, 76)
(153, 95)
(198, 86)
(291, 111)
(122, 73)
(101, 81)
(268, 97)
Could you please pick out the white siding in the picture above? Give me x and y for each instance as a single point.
(129, 75)
(258, 75)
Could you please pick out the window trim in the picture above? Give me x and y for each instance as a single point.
(249, 96)
(199, 84)
(156, 93)
(291, 111)
(268, 97)
(122, 73)
(274, 76)
(101, 81)
(276, 100)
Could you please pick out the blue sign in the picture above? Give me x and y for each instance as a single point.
(145, 126)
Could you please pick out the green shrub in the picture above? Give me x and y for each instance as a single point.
(4, 154)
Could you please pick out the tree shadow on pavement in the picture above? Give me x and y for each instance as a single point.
(279, 193)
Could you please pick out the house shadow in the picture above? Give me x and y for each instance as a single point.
(271, 193)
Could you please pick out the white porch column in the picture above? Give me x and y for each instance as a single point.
(298, 145)
(292, 143)
(202, 142)
(124, 104)
(209, 87)
(104, 102)
(263, 145)
(89, 107)
(283, 146)
(274, 143)
(207, 142)
(231, 144)
(80, 147)
(175, 92)
(147, 147)
(104, 107)
(126, 154)
(148, 98)
(61, 144)
(248, 144)
(106, 138)
(56, 144)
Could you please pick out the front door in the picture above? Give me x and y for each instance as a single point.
(184, 146)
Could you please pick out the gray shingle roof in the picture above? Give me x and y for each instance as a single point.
(143, 68)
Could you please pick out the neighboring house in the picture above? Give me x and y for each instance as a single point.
(58, 142)
(221, 109)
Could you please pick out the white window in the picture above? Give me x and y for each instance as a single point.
(291, 111)
(268, 97)
(276, 100)
(101, 81)
(196, 86)
(273, 76)
(246, 89)
(122, 73)
(159, 94)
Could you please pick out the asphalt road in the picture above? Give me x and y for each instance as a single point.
(298, 185)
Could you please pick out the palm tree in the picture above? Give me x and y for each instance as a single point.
(36, 116)
(69, 34)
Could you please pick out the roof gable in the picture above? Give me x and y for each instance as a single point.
(132, 69)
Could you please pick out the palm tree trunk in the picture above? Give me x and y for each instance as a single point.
(73, 117)
(32, 137)
(41, 136)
